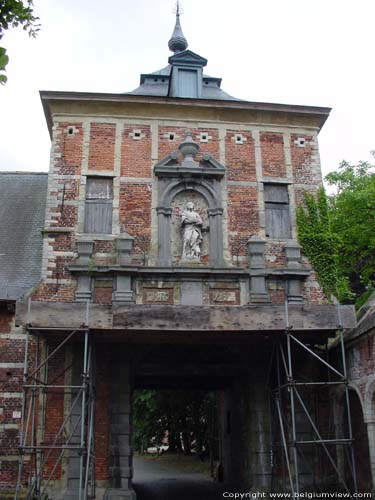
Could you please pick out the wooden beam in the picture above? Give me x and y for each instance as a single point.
(261, 318)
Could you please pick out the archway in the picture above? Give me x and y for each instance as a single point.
(360, 445)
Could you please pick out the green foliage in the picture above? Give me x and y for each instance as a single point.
(4, 59)
(145, 419)
(183, 414)
(14, 13)
(320, 244)
(352, 209)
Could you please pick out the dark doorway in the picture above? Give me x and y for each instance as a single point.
(176, 444)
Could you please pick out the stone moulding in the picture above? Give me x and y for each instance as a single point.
(189, 175)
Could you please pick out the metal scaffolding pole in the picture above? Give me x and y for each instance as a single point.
(42, 463)
(286, 377)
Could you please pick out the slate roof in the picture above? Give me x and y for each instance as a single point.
(22, 209)
(151, 85)
(158, 83)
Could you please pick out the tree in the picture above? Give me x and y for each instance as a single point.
(184, 415)
(352, 213)
(14, 13)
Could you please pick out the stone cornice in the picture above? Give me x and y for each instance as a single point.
(48, 97)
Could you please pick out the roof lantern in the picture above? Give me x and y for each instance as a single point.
(183, 77)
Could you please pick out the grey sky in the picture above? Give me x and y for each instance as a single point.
(313, 52)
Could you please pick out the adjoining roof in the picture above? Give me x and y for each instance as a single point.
(22, 209)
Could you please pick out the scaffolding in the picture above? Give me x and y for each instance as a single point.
(40, 456)
(289, 395)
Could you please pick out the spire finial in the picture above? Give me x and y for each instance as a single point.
(178, 42)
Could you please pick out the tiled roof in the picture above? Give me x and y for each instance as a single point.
(22, 209)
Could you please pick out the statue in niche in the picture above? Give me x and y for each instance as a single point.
(191, 224)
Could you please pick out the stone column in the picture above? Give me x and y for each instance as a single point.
(216, 236)
(246, 435)
(85, 248)
(124, 289)
(121, 457)
(83, 292)
(260, 438)
(124, 244)
(293, 258)
(258, 290)
(164, 236)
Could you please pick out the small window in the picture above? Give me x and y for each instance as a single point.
(276, 202)
(98, 205)
(239, 139)
(171, 137)
(187, 83)
(203, 137)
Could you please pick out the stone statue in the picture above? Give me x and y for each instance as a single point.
(191, 224)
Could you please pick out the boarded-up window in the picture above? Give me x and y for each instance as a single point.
(187, 83)
(98, 206)
(277, 211)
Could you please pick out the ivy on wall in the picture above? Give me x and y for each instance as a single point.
(320, 245)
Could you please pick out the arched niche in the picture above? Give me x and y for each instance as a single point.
(194, 178)
(173, 193)
(178, 205)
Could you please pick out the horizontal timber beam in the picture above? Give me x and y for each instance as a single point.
(134, 317)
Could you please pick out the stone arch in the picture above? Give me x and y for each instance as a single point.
(207, 189)
(369, 400)
(361, 445)
(370, 422)
(210, 191)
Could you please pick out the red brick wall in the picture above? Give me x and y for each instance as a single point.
(12, 350)
(102, 293)
(69, 148)
(136, 153)
(240, 158)
(166, 146)
(135, 213)
(243, 217)
(273, 155)
(303, 160)
(102, 146)
(50, 292)
(102, 414)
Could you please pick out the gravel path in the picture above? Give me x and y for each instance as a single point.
(168, 480)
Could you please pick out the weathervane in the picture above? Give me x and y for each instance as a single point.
(177, 10)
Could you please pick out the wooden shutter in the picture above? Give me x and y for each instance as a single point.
(278, 224)
(98, 206)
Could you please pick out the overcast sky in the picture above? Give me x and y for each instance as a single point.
(313, 52)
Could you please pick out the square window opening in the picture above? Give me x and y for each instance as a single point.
(276, 201)
(98, 205)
